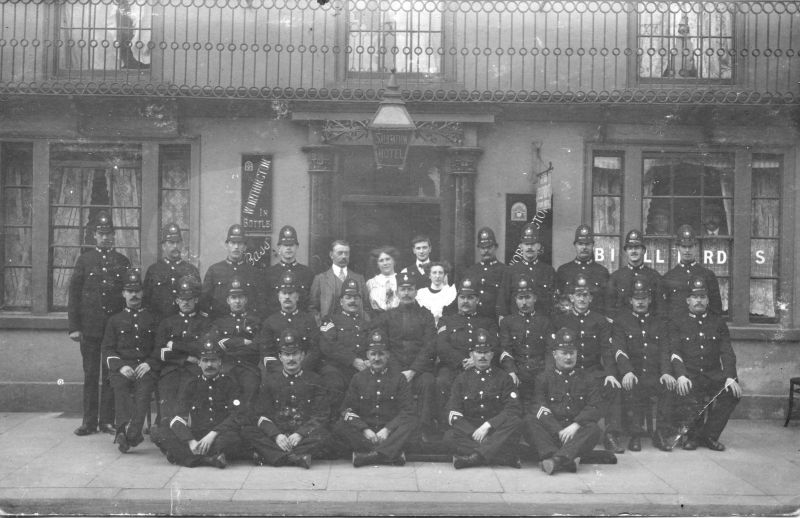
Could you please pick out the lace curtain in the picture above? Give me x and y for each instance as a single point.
(765, 243)
(607, 209)
(18, 180)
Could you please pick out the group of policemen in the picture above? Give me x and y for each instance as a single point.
(245, 365)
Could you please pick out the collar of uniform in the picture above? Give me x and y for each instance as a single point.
(238, 315)
(233, 263)
(378, 373)
(529, 263)
(187, 315)
(215, 378)
(562, 373)
(587, 261)
(694, 262)
(350, 315)
(639, 315)
(176, 262)
(293, 313)
(528, 315)
(134, 311)
(634, 267)
(487, 371)
(102, 250)
(290, 376)
(288, 265)
(694, 315)
(581, 314)
(489, 262)
(468, 314)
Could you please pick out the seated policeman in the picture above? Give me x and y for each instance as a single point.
(378, 410)
(705, 365)
(290, 413)
(562, 422)
(127, 348)
(235, 334)
(484, 411)
(206, 429)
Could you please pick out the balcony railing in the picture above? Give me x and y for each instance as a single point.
(714, 52)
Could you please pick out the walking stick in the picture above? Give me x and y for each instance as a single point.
(681, 435)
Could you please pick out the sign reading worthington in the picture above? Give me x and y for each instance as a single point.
(257, 194)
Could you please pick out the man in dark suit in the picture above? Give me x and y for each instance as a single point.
(421, 247)
(327, 286)
(95, 293)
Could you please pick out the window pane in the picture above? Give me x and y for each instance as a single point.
(607, 177)
(88, 178)
(606, 251)
(659, 255)
(175, 164)
(16, 179)
(765, 237)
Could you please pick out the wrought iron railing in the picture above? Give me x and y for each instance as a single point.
(713, 52)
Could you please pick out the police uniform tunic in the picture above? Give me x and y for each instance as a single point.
(484, 396)
(641, 348)
(411, 337)
(377, 400)
(214, 300)
(541, 275)
(596, 274)
(161, 284)
(206, 405)
(343, 338)
(700, 347)
(593, 335)
(560, 399)
(95, 293)
(178, 337)
(620, 289)
(488, 276)
(129, 341)
(269, 336)
(287, 404)
(241, 359)
(303, 275)
(677, 285)
(523, 340)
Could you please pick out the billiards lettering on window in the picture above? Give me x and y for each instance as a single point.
(661, 256)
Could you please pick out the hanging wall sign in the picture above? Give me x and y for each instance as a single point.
(256, 209)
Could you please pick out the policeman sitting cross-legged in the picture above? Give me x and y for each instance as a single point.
(127, 349)
(288, 423)
(378, 410)
(562, 422)
(205, 432)
(236, 334)
(484, 411)
(705, 365)
(179, 340)
(642, 356)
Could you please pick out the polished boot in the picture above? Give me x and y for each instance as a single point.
(107, 428)
(84, 430)
(215, 461)
(635, 443)
(712, 444)
(611, 443)
(365, 459)
(301, 461)
(121, 440)
(468, 461)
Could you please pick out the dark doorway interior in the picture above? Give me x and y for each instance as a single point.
(369, 225)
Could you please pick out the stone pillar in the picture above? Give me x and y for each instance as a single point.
(462, 166)
(322, 165)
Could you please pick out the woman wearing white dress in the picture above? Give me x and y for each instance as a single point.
(383, 287)
(440, 294)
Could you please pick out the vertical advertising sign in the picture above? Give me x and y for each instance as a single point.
(256, 209)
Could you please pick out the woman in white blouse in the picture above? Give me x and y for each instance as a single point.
(440, 294)
(383, 287)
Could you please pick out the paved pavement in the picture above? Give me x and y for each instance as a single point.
(46, 469)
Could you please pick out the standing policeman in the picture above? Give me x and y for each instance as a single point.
(678, 281)
(705, 364)
(584, 263)
(162, 279)
(95, 293)
(303, 275)
(127, 349)
(621, 281)
(483, 411)
(540, 274)
(218, 278)
(488, 273)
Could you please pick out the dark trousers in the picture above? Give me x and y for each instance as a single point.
(636, 404)
(612, 401)
(96, 387)
(336, 380)
(423, 388)
(501, 443)
(315, 444)
(548, 444)
(169, 389)
(249, 378)
(445, 377)
(390, 448)
(178, 452)
(687, 408)
(132, 401)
